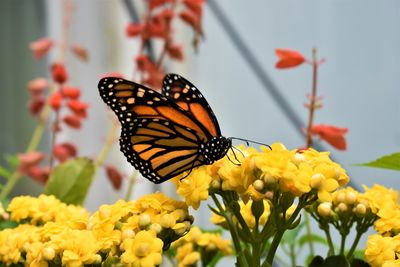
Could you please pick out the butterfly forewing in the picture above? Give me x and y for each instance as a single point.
(188, 97)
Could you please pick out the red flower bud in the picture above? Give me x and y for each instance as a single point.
(133, 29)
(175, 51)
(114, 176)
(192, 19)
(41, 47)
(80, 52)
(331, 134)
(288, 58)
(55, 100)
(71, 92)
(78, 107)
(28, 160)
(59, 73)
(73, 121)
(37, 86)
(36, 105)
(39, 174)
(64, 151)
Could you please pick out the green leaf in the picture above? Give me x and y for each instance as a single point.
(289, 236)
(391, 162)
(12, 160)
(70, 181)
(315, 238)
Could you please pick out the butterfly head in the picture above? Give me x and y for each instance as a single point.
(215, 149)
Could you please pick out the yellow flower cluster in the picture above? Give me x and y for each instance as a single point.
(198, 245)
(262, 172)
(132, 233)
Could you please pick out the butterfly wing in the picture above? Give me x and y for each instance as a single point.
(158, 137)
(189, 98)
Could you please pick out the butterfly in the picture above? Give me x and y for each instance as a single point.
(164, 135)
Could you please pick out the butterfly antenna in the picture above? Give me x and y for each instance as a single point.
(251, 141)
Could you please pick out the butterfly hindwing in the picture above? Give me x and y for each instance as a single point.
(160, 150)
(188, 97)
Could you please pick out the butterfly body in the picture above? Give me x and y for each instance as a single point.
(164, 135)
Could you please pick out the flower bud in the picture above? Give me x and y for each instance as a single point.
(360, 210)
(258, 185)
(144, 220)
(350, 198)
(97, 259)
(142, 250)
(59, 73)
(324, 209)
(269, 195)
(156, 228)
(270, 181)
(342, 207)
(340, 197)
(298, 158)
(48, 253)
(167, 221)
(128, 233)
(216, 184)
(316, 181)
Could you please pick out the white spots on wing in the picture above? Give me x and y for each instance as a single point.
(170, 81)
(140, 94)
(116, 81)
(141, 90)
(185, 90)
(167, 87)
(130, 100)
(176, 95)
(123, 108)
(128, 119)
(156, 99)
(194, 96)
(110, 93)
(110, 85)
(101, 87)
(176, 77)
(149, 102)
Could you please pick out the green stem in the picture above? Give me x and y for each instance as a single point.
(132, 180)
(342, 243)
(354, 245)
(312, 97)
(308, 230)
(293, 255)
(99, 161)
(256, 254)
(331, 250)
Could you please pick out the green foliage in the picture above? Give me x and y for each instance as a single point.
(70, 181)
(391, 162)
(12, 164)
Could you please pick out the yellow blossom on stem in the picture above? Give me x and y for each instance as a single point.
(144, 250)
(380, 249)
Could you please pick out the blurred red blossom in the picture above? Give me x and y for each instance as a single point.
(78, 107)
(175, 51)
(71, 92)
(39, 174)
(64, 151)
(133, 29)
(333, 135)
(192, 19)
(36, 105)
(73, 121)
(196, 6)
(288, 58)
(29, 159)
(80, 52)
(112, 74)
(114, 176)
(37, 86)
(59, 73)
(155, 3)
(41, 47)
(55, 100)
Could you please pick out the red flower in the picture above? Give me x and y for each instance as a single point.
(73, 121)
(36, 105)
(71, 92)
(78, 107)
(195, 6)
(112, 74)
(144, 63)
(288, 58)
(155, 3)
(133, 29)
(114, 176)
(37, 86)
(64, 151)
(175, 52)
(55, 100)
(80, 52)
(41, 47)
(39, 174)
(331, 134)
(192, 19)
(59, 73)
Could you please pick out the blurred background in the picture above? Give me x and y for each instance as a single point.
(234, 68)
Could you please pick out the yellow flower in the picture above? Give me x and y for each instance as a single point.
(379, 196)
(380, 249)
(194, 188)
(144, 250)
(79, 247)
(389, 218)
(391, 263)
(186, 256)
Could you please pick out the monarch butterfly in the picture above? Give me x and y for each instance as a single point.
(164, 135)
